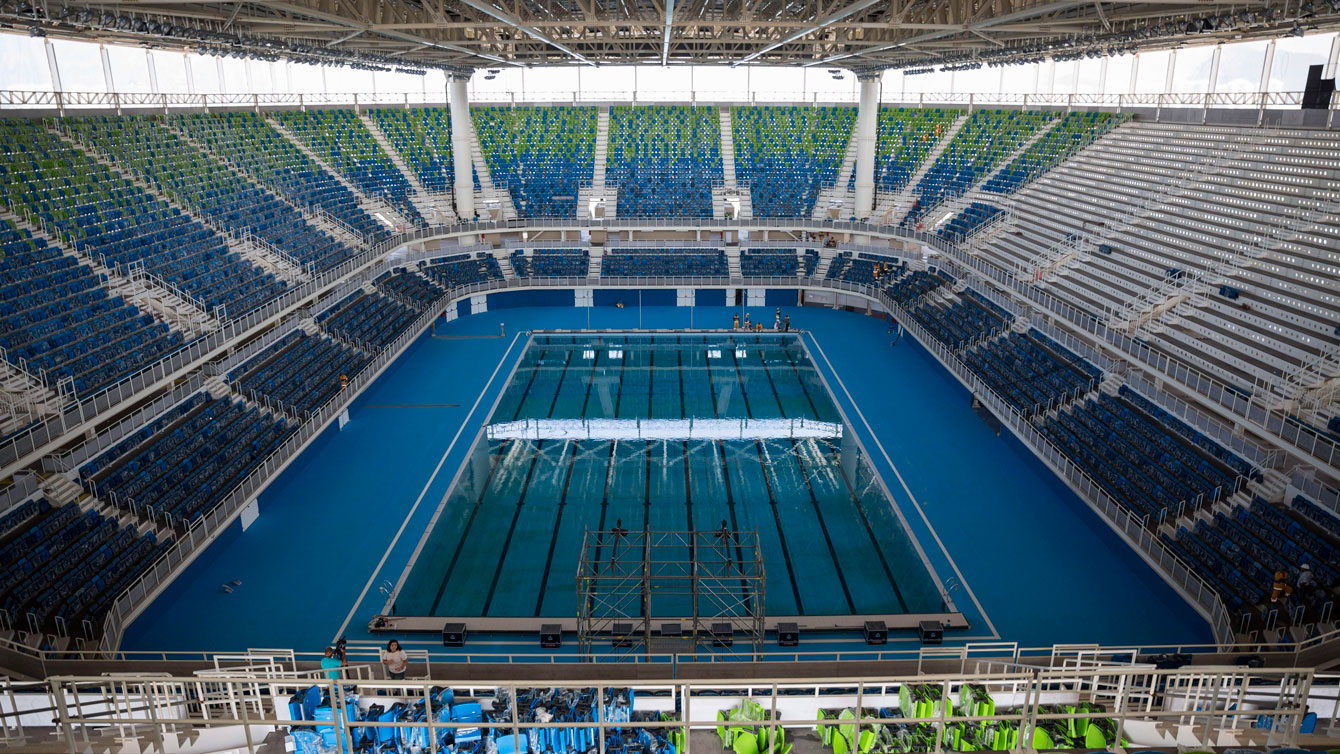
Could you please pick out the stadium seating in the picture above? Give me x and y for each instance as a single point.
(462, 269)
(409, 289)
(664, 263)
(664, 160)
(341, 139)
(867, 269)
(988, 137)
(960, 324)
(57, 319)
(300, 372)
(903, 139)
(190, 178)
(787, 154)
(551, 263)
(909, 288)
(187, 468)
(810, 258)
(250, 142)
(1031, 371)
(66, 565)
(422, 136)
(1074, 132)
(967, 222)
(541, 155)
(370, 320)
(769, 262)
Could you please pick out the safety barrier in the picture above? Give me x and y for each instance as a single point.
(241, 705)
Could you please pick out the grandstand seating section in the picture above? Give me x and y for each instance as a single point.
(340, 138)
(786, 154)
(422, 136)
(664, 159)
(664, 263)
(863, 268)
(1031, 372)
(810, 259)
(64, 564)
(542, 263)
(903, 139)
(370, 320)
(541, 155)
(961, 323)
(189, 178)
(967, 222)
(410, 289)
(299, 372)
(462, 269)
(769, 262)
(57, 319)
(988, 137)
(249, 141)
(191, 463)
(1074, 132)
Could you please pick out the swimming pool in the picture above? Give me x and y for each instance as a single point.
(666, 433)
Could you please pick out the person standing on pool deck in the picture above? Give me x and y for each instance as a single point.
(735, 325)
(777, 324)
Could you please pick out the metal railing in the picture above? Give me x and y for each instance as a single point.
(243, 703)
(117, 101)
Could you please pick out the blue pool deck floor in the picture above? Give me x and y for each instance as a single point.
(1032, 563)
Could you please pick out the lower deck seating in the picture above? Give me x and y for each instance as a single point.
(961, 324)
(664, 263)
(810, 258)
(906, 289)
(66, 565)
(462, 270)
(409, 288)
(1032, 372)
(188, 467)
(769, 262)
(549, 263)
(863, 268)
(300, 372)
(369, 319)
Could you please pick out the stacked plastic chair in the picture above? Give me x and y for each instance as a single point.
(422, 136)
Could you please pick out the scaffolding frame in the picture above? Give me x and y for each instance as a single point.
(644, 579)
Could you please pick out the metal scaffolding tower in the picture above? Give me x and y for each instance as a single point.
(671, 591)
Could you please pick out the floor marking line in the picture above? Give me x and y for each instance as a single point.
(403, 524)
(906, 489)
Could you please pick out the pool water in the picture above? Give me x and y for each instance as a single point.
(674, 433)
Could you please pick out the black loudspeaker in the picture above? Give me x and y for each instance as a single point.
(722, 635)
(551, 636)
(1317, 93)
(788, 635)
(622, 635)
(453, 635)
(876, 632)
(931, 632)
(671, 630)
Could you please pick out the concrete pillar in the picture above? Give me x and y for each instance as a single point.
(51, 66)
(867, 117)
(463, 177)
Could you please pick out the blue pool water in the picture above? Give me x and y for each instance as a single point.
(673, 433)
(346, 516)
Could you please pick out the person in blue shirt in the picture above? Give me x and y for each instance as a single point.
(332, 664)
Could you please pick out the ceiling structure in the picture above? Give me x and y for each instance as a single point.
(859, 35)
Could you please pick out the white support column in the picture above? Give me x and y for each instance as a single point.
(866, 119)
(1135, 72)
(1172, 66)
(1332, 60)
(1214, 69)
(55, 69)
(153, 72)
(462, 176)
(1266, 67)
(107, 69)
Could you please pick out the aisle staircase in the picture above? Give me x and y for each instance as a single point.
(435, 208)
(504, 258)
(733, 262)
(597, 187)
(593, 262)
(826, 257)
(488, 193)
(838, 191)
(890, 208)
